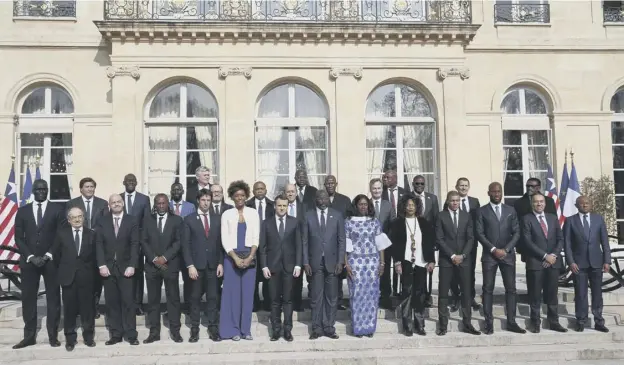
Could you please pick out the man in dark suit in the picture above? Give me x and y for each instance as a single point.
(297, 210)
(280, 255)
(392, 192)
(324, 245)
(305, 193)
(218, 206)
(36, 225)
(177, 205)
(384, 213)
(117, 256)
(588, 254)
(524, 206)
(94, 208)
(430, 213)
(454, 238)
(74, 249)
(543, 241)
(202, 179)
(161, 245)
(137, 205)
(203, 255)
(498, 231)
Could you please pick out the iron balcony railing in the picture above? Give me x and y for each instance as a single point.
(359, 11)
(44, 9)
(614, 12)
(522, 13)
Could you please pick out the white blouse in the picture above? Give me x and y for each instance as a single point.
(412, 226)
(229, 228)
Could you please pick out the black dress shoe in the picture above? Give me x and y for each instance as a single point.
(214, 336)
(314, 336)
(139, 311)
(471, 330)
(134, 341)
(151, 338)
(194, 338)
(475, 306)
(488, 330)
(513, 327)
(97, 315)
(453, 307)
(441, 332)
(89, 343)
(113, 341)
(70, 347)
(557, 327)
(420, 332)
(333, 336)
(579, 327)
(176, 338)
(535, 327)
(428, 301)
(601, 328)
(275, 337)
(408, 333)
(55, 343)
(341, 307)
(288, 336)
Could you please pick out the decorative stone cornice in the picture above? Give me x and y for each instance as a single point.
(132, 71)
(462, 73)
(233, 71)
(335, 72)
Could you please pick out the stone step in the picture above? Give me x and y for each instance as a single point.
(436, 350)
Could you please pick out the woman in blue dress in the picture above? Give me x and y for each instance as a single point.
(365, 264)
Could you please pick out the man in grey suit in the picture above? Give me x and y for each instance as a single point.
(543, 242)
(324, 246)
(384, 213)
(498, 231)
(588, 254)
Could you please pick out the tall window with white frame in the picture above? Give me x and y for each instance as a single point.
(45, 139)
(181, 134)
(401, 135)
(291, 134)
(526, 140)
(617, 139)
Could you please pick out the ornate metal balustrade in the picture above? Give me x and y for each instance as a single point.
(522, 13)
(359, 11)
(613, 13)
(44, 9)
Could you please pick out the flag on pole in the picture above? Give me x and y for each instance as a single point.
(574, 191)
(565, 181)
(27, 192)
(8, 210)
(551, 191)
(38, 174)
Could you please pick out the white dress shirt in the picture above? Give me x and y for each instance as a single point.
(461, 202)
(292, 206)
(79, 235)
(500, 211)
(394, 192)
(164, 220)
(44, 205)
(90, 200)
(120, 216)
(201, 218)
(538, 216)
(264, 204)
(130, 196)
(414, 227)
(581, 215)
(318, 215)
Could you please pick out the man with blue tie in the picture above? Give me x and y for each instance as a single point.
(588, 254)
(177, 205)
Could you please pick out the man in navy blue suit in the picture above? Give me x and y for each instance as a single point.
(588, 254)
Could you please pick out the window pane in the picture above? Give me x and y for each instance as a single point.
(60, 158)
(513, 158)
(381, 103)
(195, 159)
(166, 104)
(534, 104)
(618, 177)
(511, 103)
(273, 162)
(541, 175)
(272, 138)
(514, 184)
(35, 102)
(380, 136)
(617, 132)
(512, 138)
(59, 187)
(537, 137)
(164, 138)
(32, 139)
(619, 207)
(274, 184)
(538, 158)
(311, 138)
(200, 102)
(308, 104)
(29, 158)
(413, 103)
(418, 136)
(275, 103)
(61, 140)
(317, 180)
(163, 163)
(417, 161)
(620, 233)
(61, 102)
(617, 102)
(202, 137)
(156, 185)
(510, 201)
(618, 157)
(314, 162)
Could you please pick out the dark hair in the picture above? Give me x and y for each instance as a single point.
(204, 192)
(403, 204)
(281, 196)
(85, 180)
(538, 181)
(158, 196)
(236, 186)
(353, 211)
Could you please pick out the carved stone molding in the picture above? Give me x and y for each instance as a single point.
(233, 71)
(335, 72)
(132, 71)
(462, 73)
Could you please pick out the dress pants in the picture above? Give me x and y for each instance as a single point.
(385, 283)
(98, 285)
(206, 283)
(508, 272)
(455, 285)
(414, 283)
(155, 279)
(324, 300)
(543, 284)
(594, 277)
(31, 276)
(446, 276)
(186, 287)
(265, 303)
(138, 281)
(78, 300)
(280, 287)
(120, 303)
(297, 292)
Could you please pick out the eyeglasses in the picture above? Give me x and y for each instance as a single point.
(532, 185)
(419, 183)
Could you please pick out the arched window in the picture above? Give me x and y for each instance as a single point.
(45, 139)
(401, 135)
(181, 134)
(617, 139)
(526, 140)
(291, 134)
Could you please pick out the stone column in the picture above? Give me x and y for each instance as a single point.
(8, 147)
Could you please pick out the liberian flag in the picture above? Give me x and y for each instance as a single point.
(8, 210)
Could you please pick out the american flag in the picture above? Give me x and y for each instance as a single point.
(8, 210)
(551, 191)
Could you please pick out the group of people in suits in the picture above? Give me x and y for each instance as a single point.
(224, 251)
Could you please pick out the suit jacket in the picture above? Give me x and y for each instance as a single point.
(223, 206)
(537, 244)
(587, 252)
(400, 193)
(201, 251)
(473, 205)
(432, 208)
(385, 214)
(140, 207)
(185, 209)
(280, 253)
(122, 250)
(398, 237)
(191, 193)
(269, 210)
(165, 244)
(332, 244)
(492, 233)
(523, 206)
(309, 196)
(32, 239)
(74, 265)
(454, 241)
(99, 207)
(341, 203)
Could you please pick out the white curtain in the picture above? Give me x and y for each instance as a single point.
(376, 140)
(313, 161)
(69, 161)
(163, 159)
(270, 161)
(207, 144)
(418, 153)
(35, 102)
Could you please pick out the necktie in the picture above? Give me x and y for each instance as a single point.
(129, 210)
(177, 209)
(217, 209)
(543, 224)
(260, 211)
(323, 226)
(88, 218)
(160, 224)
(464, 205)
(392, 200)
(377, 209)
(77, 240)
(291, 210)
(586, 226)
(497, 211)
(300, 195)
(281, 227)
(116, 226)
(39, 215)
(206, 227)
(455, 219)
